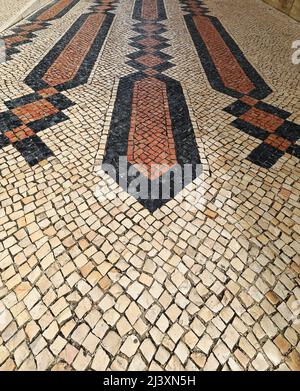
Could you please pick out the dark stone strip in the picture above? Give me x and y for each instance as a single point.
(47, 122)
(237, 108)
(250, 129)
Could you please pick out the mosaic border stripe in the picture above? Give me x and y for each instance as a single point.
(25, 32)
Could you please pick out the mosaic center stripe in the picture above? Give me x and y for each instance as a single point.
(151, 126)
(39, 21)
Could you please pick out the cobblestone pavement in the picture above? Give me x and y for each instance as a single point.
(92, 274)
(10, 8)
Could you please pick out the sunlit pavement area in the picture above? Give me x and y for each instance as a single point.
(93, 274)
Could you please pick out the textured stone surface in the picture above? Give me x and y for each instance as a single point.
(91, 279)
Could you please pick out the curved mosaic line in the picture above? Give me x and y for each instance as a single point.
(151, 127)
(229, 72)
(39, 21)
(68, 64)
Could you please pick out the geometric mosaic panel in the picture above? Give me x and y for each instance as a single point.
(229, 72)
